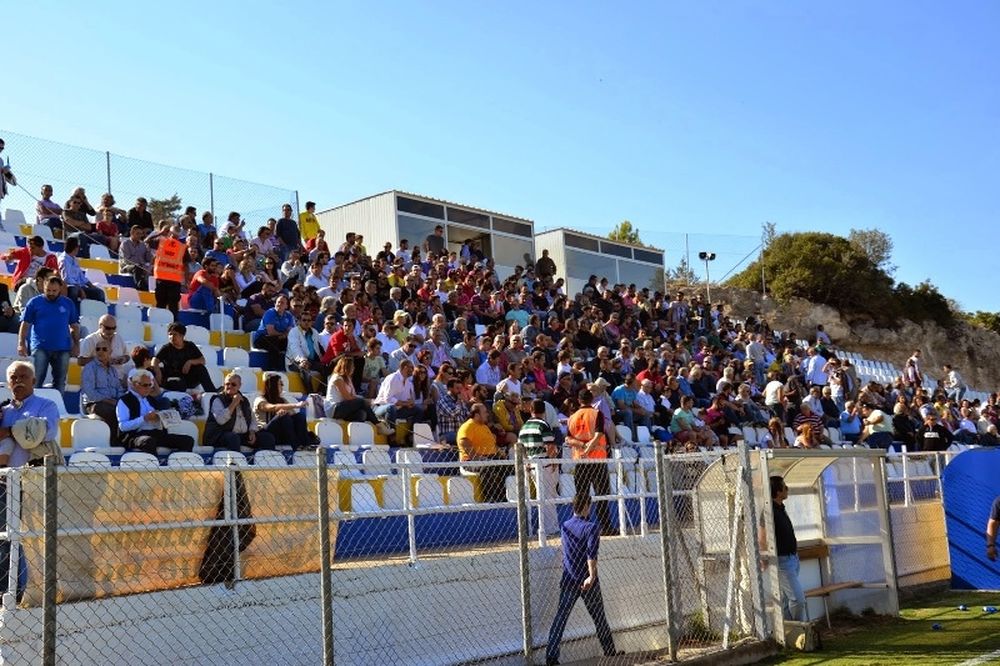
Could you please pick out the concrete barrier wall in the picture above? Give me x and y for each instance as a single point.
(443, 610)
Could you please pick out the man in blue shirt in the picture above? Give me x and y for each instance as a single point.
(53, 322)
(581, 539)
(78, 286)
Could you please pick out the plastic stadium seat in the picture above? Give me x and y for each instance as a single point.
(330, 432)
(8, 347)
(269, 459)
(97, 276)
(642, 435)
(248, 377)
(567, 486)
(139, 460)
(750, 436)
(160, 316)
(14, 218)
(221, 322)
(56, 397)
(624, 432)
(510, 485)
(133, 332)
(363, 497)
(225, 458)
(393, 497)
(789, 435)
(90, 433)
(197, 334)
(409, 457)
(359, 435)
(460, 491)
(834, 435)
(99, 252)
(305, 458)
(185, 459)
(127, 311)
(423, 435)
(92, 308)
(377, 462)
(233, 357)
(429, 492)
(89, 459)
(346, 464)
(43, 231)
(128, 295)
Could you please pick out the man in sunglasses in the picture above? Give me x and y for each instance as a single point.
(101, 385)
(107, 334)
(139, 424)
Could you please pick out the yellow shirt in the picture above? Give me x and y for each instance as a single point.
(308, 225)
(482, 440)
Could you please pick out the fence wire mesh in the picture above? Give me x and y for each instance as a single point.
(429, 563)
(66, 167)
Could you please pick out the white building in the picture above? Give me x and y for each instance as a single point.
(578, 256)
(392, 216)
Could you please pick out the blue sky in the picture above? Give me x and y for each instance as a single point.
(705, 118)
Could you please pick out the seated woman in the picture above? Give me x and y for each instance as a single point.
(272, 333)
(286, 421)
(775, 436)
(231, 423)
(342, 402)
(807, 438)
(689, 430)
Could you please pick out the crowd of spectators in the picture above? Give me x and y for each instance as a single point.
(427, 334)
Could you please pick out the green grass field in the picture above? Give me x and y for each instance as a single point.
(909, 639)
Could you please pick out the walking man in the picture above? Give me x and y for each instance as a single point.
(581, 540)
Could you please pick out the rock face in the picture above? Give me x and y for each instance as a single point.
(973, 351)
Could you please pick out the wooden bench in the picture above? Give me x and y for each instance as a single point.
(824, 591)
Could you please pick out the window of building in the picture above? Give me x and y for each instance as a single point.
(641, 275)
(407, 205)
(616, 249)
(582, 242)
(415, 229)
(511, 251)
(512, 227)
(468, 217)
(648, 255)
(582, 265)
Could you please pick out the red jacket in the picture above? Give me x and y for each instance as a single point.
(23, 257)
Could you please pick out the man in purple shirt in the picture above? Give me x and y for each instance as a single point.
(581, 539)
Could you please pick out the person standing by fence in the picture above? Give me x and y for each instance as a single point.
(581, 540)
(793, 598)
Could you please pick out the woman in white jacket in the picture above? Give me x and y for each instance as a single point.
(304, 352)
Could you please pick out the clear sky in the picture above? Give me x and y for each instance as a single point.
(704, 118)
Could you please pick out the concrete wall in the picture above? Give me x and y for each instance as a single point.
(443, 610)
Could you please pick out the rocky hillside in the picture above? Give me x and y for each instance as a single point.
(974, 351)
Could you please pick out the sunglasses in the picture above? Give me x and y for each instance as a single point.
(108, 328)
(145, 384)
(101, 348)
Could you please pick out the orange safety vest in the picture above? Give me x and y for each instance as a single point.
(169, 261)
(582, 425)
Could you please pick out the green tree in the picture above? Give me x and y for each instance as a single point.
(164, 209)
(768, 232)
(625, 233)
(683, 272)
(988, 320)
(876, 245)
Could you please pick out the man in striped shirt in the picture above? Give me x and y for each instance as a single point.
(538, 441)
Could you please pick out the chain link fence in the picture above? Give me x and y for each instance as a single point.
(429, 564)
(36, 162)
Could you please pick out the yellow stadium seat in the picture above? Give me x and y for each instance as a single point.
(241, 340)
(74, 373)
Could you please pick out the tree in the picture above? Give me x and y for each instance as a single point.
(625, 233)
(164, 209)
(876, 245)
(988, 320)
(683, 272)
(768, 232)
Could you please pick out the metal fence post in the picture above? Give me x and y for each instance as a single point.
(665, 508)
(107, 161)
(326, 592)
(297, 209)
(522, 543)
(49, 563)
(753, 541)
(211, 193)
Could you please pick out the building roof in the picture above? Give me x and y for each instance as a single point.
(436, 200)
(601, 238)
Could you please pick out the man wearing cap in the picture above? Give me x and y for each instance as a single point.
(589, 444)
(139, 425)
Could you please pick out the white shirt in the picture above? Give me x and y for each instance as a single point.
(488, 375)
(313, 280)
(509, 385)
(394, 388)
(389, 343)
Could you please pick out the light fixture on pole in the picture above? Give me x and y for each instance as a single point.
(707, 257)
